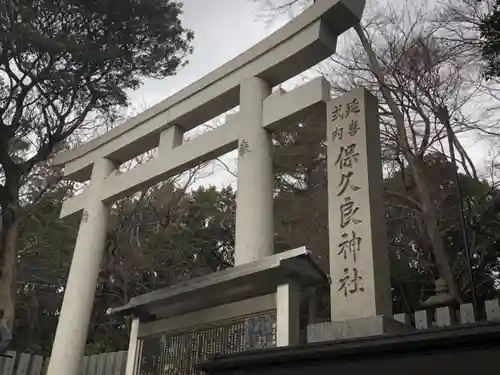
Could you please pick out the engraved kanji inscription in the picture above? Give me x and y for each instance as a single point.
(347, 156)
(244, 148)
(338, 133)
(338, 112)
(85, 216)
(350, 246)
(352, 107)
(353, 128)
(345, 182)
(351, 282)
(347, 213)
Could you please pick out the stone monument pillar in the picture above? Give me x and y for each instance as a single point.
(361, 303)
(359, 257)
(254, 198)
(71, 334)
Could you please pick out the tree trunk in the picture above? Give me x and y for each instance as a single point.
(9, 231)
(431, 224)
(416, 166)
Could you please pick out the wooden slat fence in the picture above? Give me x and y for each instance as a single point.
(27, 364)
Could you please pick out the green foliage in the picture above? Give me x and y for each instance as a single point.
(64, 63)
(168, 235)
(302, 218)
(97, 49)
(412, 265)
(164, 237)
(490, 34)
(45, 250)
(63, 59)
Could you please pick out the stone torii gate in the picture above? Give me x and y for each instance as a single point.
(246, 81)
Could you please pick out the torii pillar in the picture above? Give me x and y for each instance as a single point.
(254, 237)
(71, 334)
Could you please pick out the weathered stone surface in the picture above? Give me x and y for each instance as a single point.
(359, 259)
(355, 328)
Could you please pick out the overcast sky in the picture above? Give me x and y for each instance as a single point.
(223, 29)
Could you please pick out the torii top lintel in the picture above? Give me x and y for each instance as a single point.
(300, 44)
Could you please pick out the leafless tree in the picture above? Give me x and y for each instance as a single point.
(427, 77)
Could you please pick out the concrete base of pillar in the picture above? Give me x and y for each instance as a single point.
(355, 328)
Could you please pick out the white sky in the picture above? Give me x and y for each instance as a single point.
(223, 29)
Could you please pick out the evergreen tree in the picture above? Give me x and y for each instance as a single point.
(64, 63)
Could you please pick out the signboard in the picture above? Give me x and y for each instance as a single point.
(178, 353)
